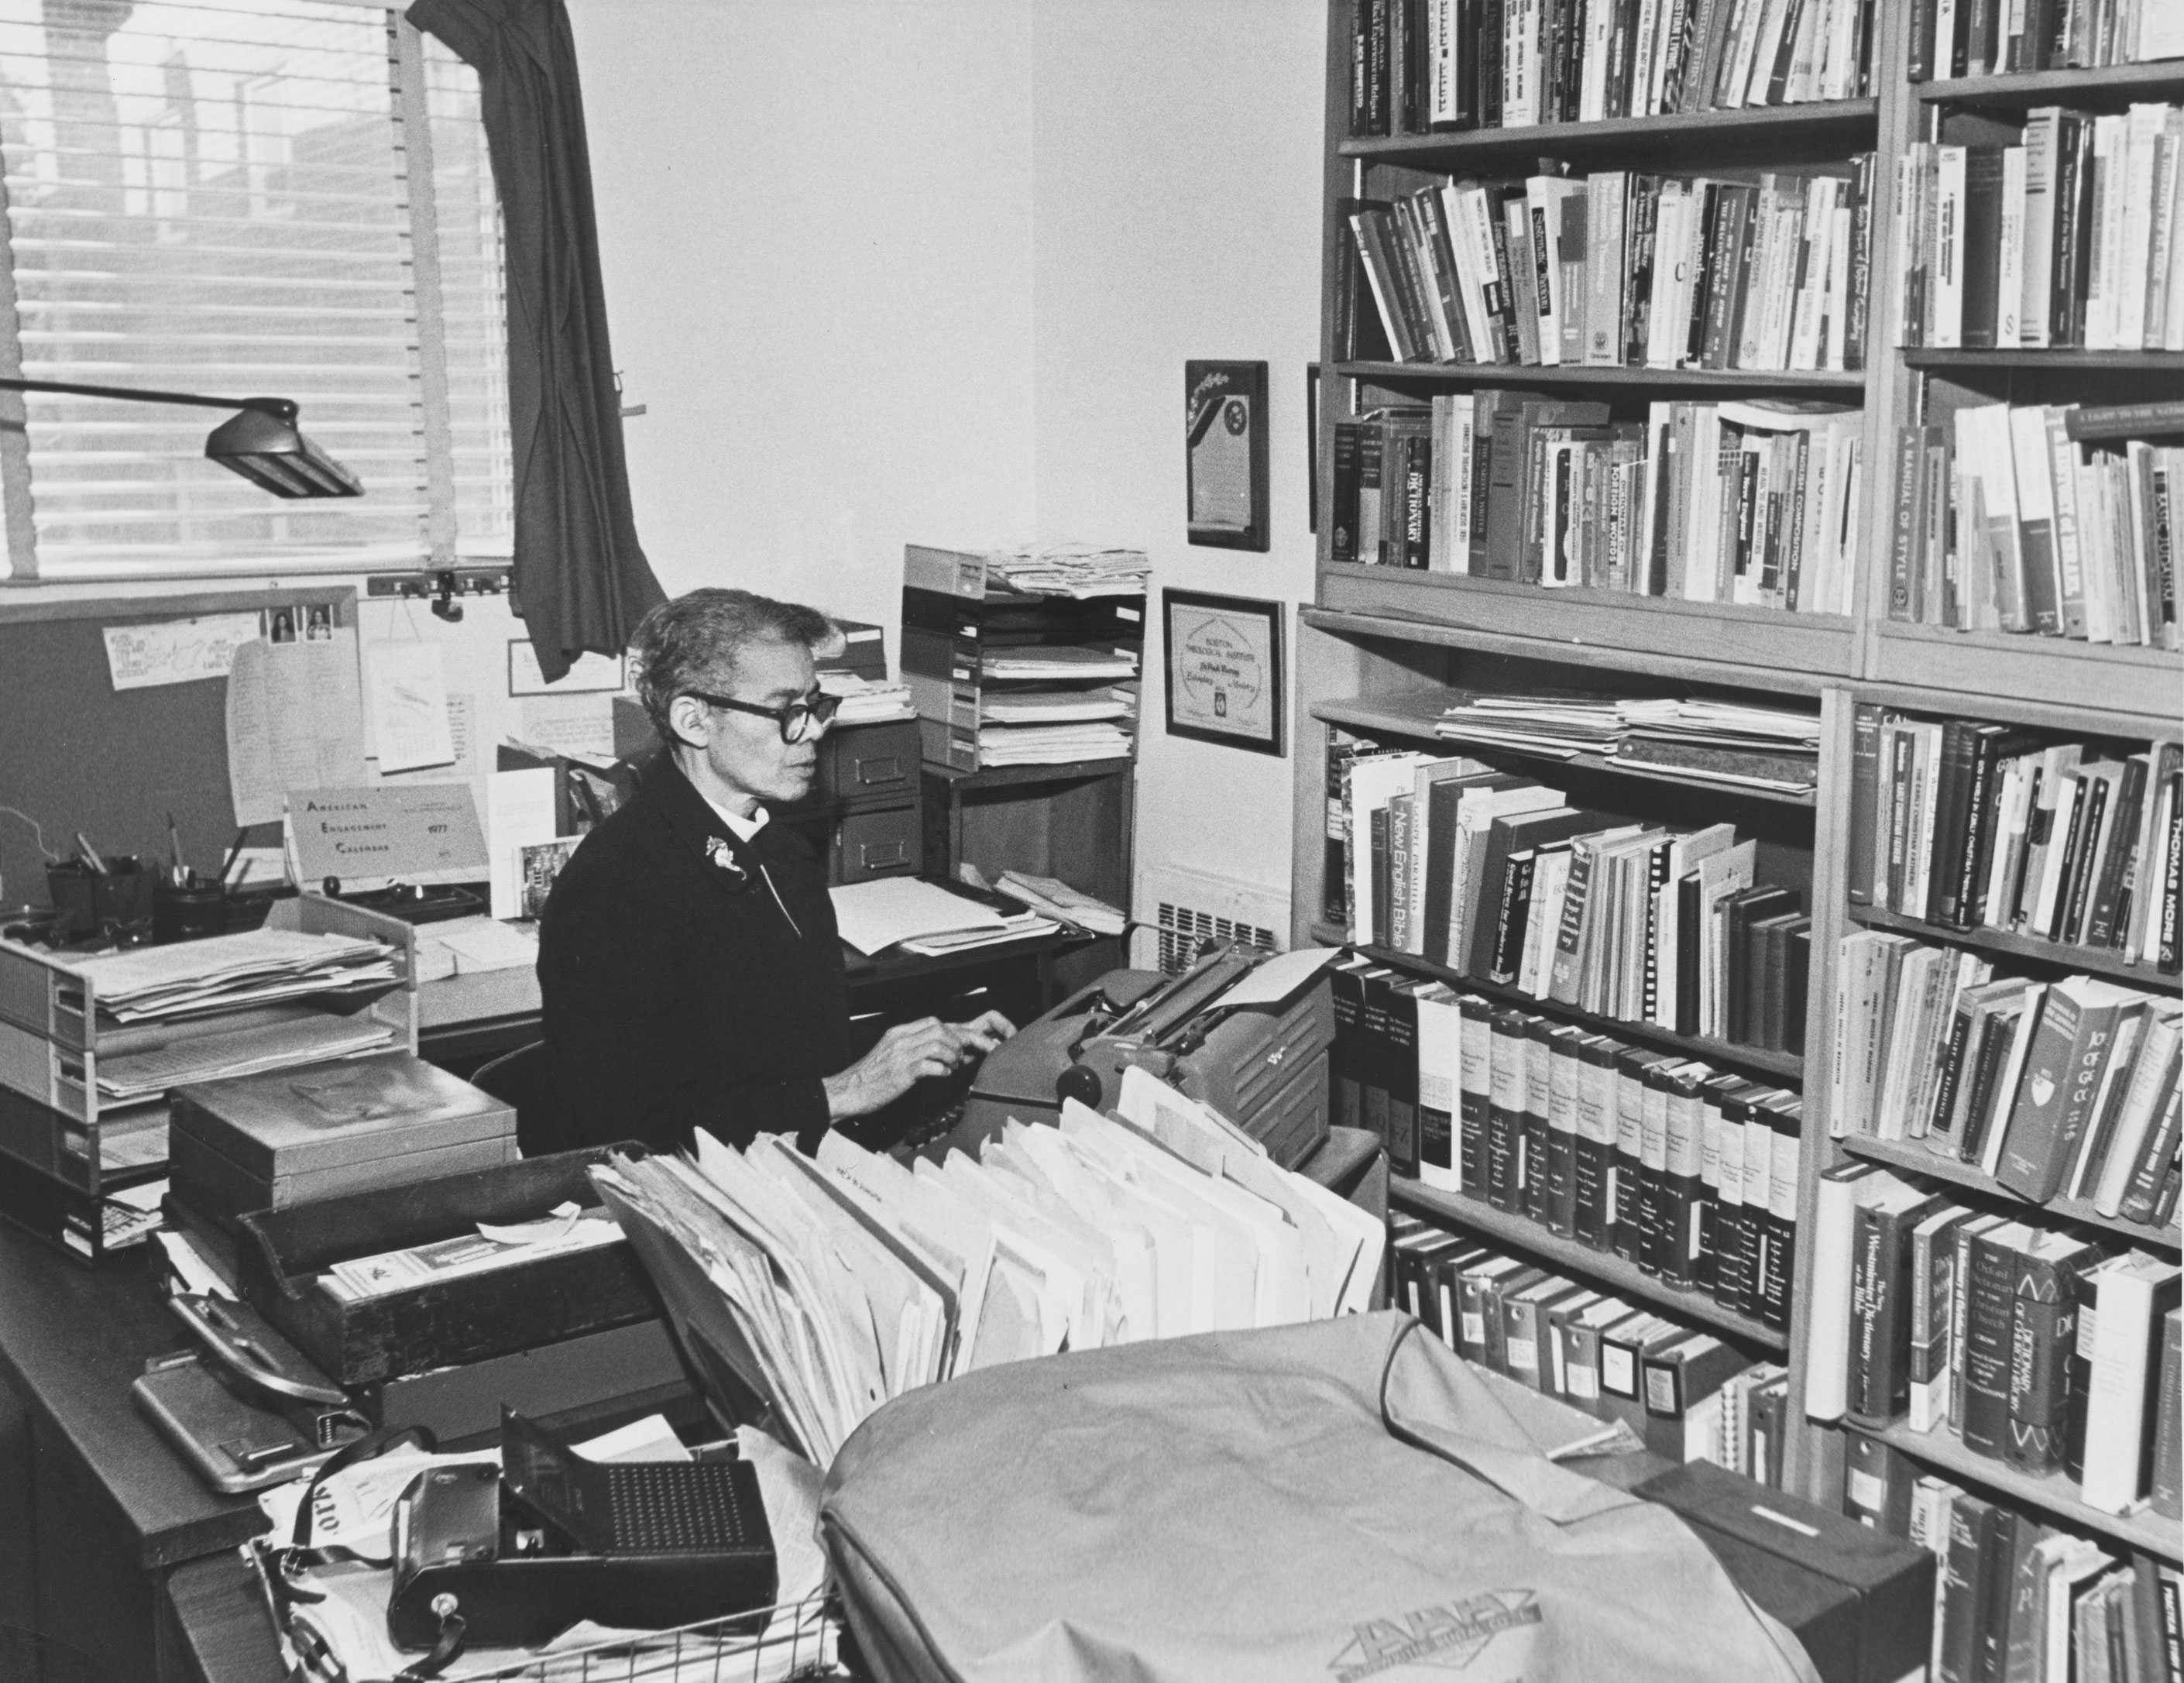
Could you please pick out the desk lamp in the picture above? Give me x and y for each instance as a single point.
(261, 441)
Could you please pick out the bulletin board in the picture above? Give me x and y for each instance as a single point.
(77, 754)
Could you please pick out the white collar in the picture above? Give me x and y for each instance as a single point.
(742, 828)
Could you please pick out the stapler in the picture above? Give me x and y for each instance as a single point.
(245, 1408)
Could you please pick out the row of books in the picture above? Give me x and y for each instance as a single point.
(2016, 1598)
(1753, 503)
(1419, 66)
(1496, 876)
(1952, 38)
(1689, 1396)
(2047, 1351)
(2056, 1090)
(2066, 239)
(1621, 269)
(1690, 1174)
(1974, 825)
(2007, 519)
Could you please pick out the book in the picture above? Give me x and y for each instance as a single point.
(2132, 1298)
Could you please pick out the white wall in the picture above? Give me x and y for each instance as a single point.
(815, 229)
(1176, 167)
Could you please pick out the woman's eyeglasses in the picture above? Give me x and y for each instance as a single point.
(798, 719)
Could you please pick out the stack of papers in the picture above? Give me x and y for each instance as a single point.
(1053, 898)
(1078, 570)
(1051, 744)
(188, 978)
(1058, 660)
(922, 916)
(1014, 928)
(1707, 740)
(851, 1278)
(237, 1051)
(470, 946)
(865, 701)
(567, 1227)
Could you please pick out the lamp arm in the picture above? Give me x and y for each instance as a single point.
(281, 409)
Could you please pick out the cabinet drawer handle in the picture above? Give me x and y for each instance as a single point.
(874, 856)
(887, 771)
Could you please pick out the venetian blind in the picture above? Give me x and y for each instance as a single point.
(237, 197)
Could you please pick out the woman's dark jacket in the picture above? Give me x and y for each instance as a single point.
(679, 991)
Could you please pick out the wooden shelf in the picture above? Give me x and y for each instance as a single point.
(1915, 1159)
(1722, 380)
(2046, 361)
(1417, 722)
(1009, 777)
(2039, 680)
(2111, 87)
(2094, 960)
(2054, 1493)
(1785, 1065)
(1627, 1279)
(1768, 132)
(1781, 654)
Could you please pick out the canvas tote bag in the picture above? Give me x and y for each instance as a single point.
(1343, 1502)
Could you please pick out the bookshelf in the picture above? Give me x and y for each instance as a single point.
(1381, 646)
(2050, 1493)
(1627, 1279)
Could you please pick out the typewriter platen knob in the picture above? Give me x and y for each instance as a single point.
(1082, 1082)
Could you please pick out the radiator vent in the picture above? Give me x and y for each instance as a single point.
(1191, 908)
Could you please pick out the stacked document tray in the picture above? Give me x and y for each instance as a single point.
(89, 1047)
(1005, 678)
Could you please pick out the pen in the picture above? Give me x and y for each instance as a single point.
(90, 855)
(234, 853)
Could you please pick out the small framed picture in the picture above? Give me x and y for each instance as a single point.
(1224, 669)
(589, 675)
(1225, 453)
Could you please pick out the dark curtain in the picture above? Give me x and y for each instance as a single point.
(580, 578)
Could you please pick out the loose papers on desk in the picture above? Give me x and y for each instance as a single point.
(1082, 571)
(848, 1279)
(1051, 897)
(237, 1051)
(872, 916)
(185, 978)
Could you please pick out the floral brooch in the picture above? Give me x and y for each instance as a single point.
(724, 857)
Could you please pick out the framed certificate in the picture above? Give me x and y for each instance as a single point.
(1224, 669)
(1225, 453)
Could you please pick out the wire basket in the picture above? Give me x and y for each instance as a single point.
(767, 1644)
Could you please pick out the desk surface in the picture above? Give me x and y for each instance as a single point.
(71, 1339)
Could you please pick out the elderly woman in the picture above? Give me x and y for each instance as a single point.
(688, 956)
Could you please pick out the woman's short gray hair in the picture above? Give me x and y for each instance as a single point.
(692, 642)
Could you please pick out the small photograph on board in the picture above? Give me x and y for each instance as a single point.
(540, 863)
(1225, 453)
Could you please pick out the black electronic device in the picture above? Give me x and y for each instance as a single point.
(519, 1553)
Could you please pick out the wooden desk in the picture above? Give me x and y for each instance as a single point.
(464, 1020)
(93, 1497)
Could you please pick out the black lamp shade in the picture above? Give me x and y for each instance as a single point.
(274, 455)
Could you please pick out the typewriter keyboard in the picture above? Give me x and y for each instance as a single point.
(665, 1507)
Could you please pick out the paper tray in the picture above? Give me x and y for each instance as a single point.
(444, 1322)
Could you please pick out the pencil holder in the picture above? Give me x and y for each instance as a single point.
(184, 911)
(118, 903)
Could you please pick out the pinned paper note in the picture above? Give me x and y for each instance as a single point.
(589, 672)
(407, 695)
(462, 738)
(176, 651)
(571, 724)
(295, 720)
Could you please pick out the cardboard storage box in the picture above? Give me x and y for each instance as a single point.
(440, 1324)
(1881, 1634)
(292, 1136)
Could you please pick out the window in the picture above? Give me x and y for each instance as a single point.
(242, 197)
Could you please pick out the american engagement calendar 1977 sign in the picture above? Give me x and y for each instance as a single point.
(1224, 670)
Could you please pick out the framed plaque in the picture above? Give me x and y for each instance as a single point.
(1224, 669)
(1225, 453)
